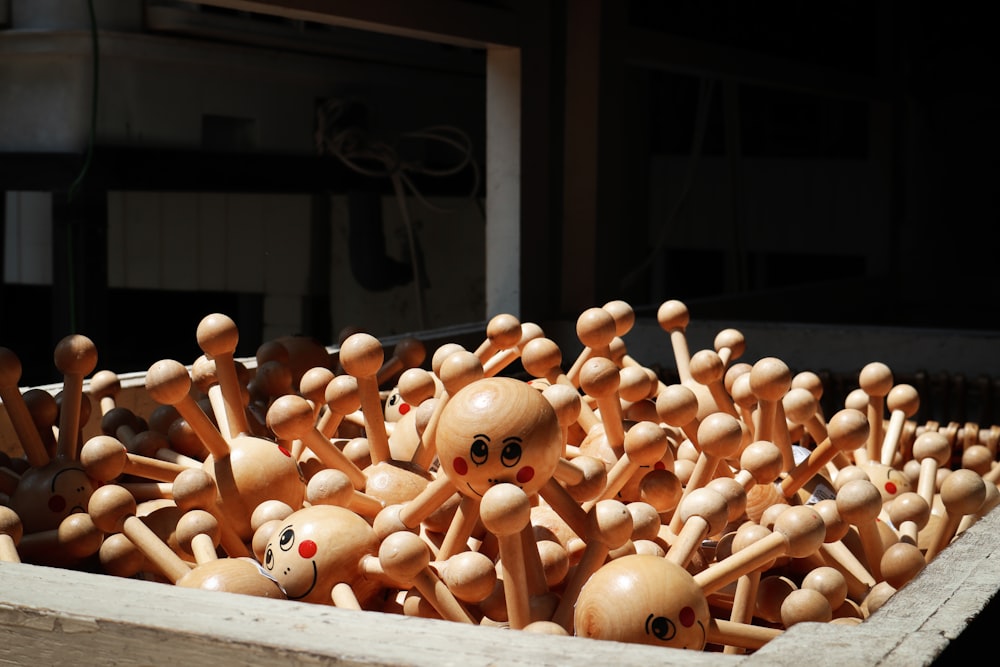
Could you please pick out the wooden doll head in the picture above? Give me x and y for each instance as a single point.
(47, 494)
(317, 547)
(395, 406)
(889, 481)
(643, 599)
(497, 430)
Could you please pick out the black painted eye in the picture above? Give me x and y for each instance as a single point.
(480, 450)
(511, 454)
(286, 539)
(269, 559)
(660, 627)
(393, 399)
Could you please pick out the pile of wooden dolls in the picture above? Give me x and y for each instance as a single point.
(503, 485)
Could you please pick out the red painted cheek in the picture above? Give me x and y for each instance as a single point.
(460, 465)
(891, 488)
(525, 475)
(404, 408)
(284, 451)
(57, 504)
(686, 617)
(307, 549)
(660, 465)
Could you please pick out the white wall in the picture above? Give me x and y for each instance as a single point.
(28, 238)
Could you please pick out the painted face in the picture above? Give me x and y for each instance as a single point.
(316, 548)
(643, 599)
(46, 495)
(889, 481)
(395, 406)
(498, 430)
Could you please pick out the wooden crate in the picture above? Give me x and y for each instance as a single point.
(53, 616)
(57, 616)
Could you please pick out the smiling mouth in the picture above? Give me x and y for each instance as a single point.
(309, 590)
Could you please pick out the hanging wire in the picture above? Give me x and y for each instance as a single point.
(378, 159)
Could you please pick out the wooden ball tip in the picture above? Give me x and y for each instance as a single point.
(545, 628)
(416, 385)
(595, 327)
(361, 355)
(168, 382)
(799, 404)
(804, 529)
(770, 378)
(762, 458)
(677, 405)
(706, 366)
(963, 492)
(505, 509)
(900, 563)
(599, 377)
(875, 379)
(733, 339)
(610, 523)
(269, 510)
(290, 416)
(109, 506)
(673, 315)
(329, 486)
(504, 331)
(459, 369)
(103, 457)
(645, 443)
(540, 355)
(203, 372)
(720, 435)
(79, 535)
(809, 380)
(859, 501)
(909, 506)
(932, 445)
(217, 335)
(314, 382)
(412, 352)
(442, 353)
(105, 383)
(75, 355)
(708, 504)
(566, 402)
(829, 581)
(404, 554)
(848, 429)
(194, 487)
(904, 398)
(341, 394)
(805, 605)
(623, 314)
(196, 522)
